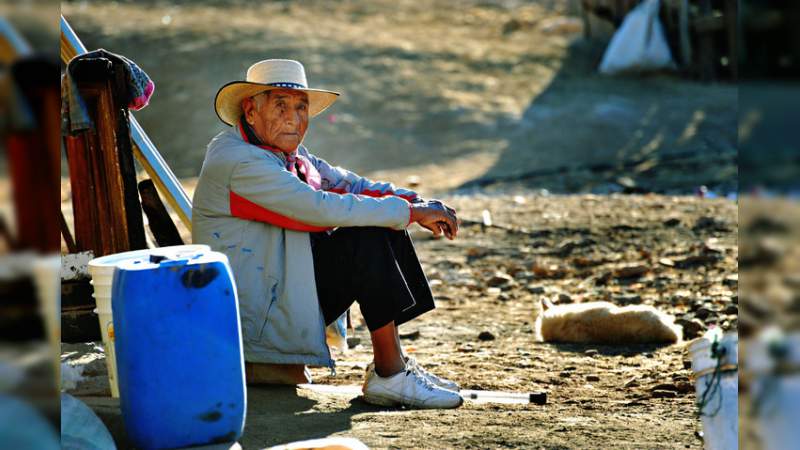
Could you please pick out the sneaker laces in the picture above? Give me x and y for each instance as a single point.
(410, 361)
(420, 379)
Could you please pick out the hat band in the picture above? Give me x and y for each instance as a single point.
(287, 84)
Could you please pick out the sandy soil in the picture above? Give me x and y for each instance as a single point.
(566, 249)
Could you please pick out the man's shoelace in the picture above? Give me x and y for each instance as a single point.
(413, 363)
(419, 379)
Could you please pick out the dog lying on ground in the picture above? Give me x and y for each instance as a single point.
(605, 323)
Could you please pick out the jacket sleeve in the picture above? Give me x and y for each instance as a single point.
(337, 179)
(264, 191)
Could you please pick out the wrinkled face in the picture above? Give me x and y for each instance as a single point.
(278, 117)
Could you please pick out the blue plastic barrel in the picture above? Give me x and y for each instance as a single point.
(179, 351)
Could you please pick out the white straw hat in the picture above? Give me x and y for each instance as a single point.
(268, 75)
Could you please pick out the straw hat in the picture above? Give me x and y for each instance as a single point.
(264, 76)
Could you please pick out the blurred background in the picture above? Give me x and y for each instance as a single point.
(454, 93)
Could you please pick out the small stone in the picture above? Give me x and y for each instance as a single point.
(411, 336)
(535, 289)
(634, 271)
(500, 279)
(672, 222)
(664, 387)
(692, 261)
(591, 352)
(503, 297)
(731, 280)
(565, 374)
(493, 291)
(524, 275)
(486, 336)
(564, 298)
(693, 329)
(631, 383)
(711, 223)
(703, 313)
(732, 310)
(592, 378)
(664, 394)
(624, 300)
(666, 262)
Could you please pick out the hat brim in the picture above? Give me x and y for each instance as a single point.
(228, 102)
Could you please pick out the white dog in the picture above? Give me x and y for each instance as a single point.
(605, 323)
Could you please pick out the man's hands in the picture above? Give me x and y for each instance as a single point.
(437, 217)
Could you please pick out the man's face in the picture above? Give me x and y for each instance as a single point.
(279, 118)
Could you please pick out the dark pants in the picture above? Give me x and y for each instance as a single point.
(377, 267)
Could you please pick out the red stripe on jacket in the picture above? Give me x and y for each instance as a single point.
(245, 209)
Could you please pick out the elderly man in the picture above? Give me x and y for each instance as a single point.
(305, 239)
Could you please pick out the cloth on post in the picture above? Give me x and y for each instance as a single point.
(75, 114)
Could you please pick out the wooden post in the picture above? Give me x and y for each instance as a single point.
(164, 230)
(33, 151)
(86, 224)
(108, 217)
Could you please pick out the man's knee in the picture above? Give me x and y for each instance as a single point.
(372, 233)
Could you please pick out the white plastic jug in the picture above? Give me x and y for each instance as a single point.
(772, 362)
(102, 273)
(715, 366)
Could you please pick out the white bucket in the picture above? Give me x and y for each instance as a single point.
(46, 271)
(714, 363)
(772, 362)
(102, 273)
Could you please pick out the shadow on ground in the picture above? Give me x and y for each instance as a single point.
(275, 415)
(585, 131)
(279, 414)
(609, 350)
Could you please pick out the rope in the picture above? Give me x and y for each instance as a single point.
(712, 384)
(779, 352)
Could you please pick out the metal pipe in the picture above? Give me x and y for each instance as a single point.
(143, 148)
(16, 45)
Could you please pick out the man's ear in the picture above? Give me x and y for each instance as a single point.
(248, 107)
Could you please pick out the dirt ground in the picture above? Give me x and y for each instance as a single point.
(678, 253)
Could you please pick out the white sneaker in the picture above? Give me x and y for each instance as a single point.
(443, 383)
(409, 388)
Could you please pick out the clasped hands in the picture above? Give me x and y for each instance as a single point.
(435, 216)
